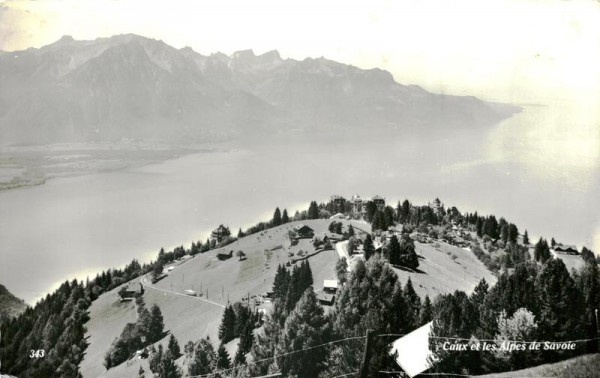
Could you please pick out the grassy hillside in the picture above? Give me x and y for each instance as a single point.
(443, 269)
(9, 304)
(191, 318)
(581, 367)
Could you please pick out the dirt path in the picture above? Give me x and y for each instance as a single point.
(146, 284)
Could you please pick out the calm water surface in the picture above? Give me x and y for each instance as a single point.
(539, 169)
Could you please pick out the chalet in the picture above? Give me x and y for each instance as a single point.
(303, 231)
(566, 249)
(128, 293)
(268, 294)
(325, 299)
(460, 242)
(225, 256)
(330, 286)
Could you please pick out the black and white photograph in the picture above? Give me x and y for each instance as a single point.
(307, 189)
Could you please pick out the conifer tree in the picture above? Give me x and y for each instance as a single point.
(246, 338)
(590, 282)
(285, 218)
(350, 230)
(513, 233)
(276, 218)
(313, 210)
(156, 358)
(504, 233)
(561, 305)
(525, 238)
(393, 251)
(240, 357)
(173, 347)
(157, 326)
(426, 314)
(413, 304)
(168, 369)
(223, 360)
(204, 361)
(368, 247)
(227, 327)
(281, 282)
(341, 269)
(306, 326)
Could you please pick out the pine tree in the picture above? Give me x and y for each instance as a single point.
(504, 233)
(173, 347)
(306, 326)
(542, 251)
(413, 304)
(408, 256)
(368, 247)
(479, 293)
(561, 305)
(204, 358)
(307, 276)
(168, 368)
(525, 238)
(378, 222)
(513, 233)
(240, 357)
(281, 282)
(276, 218)
(393, 251)
(313, 210)
(350, 230)
(156, 359)
(341, 269)
(590, 282)
(157, 326)
(285, 218)
(246, 338)
(426, 314)
(227, 327)
(223, 360)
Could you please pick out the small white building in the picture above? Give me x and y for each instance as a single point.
(330, 286)
(413, 350)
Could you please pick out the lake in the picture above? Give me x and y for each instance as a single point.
(539, 169)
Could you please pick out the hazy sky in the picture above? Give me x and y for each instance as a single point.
(531, 51)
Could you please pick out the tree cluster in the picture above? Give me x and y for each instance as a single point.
(148, 329)
(162, 363)
(56, 324)
(401, 252)
(532, 303)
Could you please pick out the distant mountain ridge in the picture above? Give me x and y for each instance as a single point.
(129, 86)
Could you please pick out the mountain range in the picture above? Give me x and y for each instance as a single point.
(132, 87)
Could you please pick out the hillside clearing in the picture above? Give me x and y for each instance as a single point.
(445, 269)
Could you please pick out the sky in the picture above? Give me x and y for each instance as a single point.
(509, 50)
